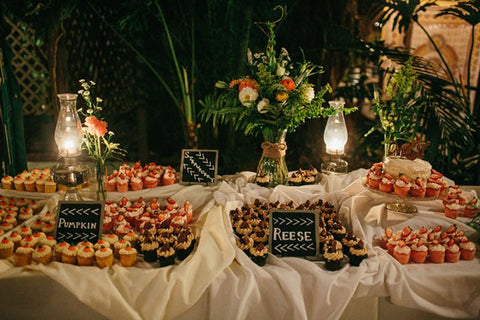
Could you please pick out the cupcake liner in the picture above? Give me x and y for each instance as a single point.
(150, 256)
(356, 260)
(332, 265)
(259, 260)
(166, 261)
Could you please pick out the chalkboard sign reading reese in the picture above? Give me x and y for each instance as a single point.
(293, 233)
(79, 220)
(198, 166)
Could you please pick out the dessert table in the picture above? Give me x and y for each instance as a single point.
(219, 281)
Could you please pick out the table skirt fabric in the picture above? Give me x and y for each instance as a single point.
(220, 281)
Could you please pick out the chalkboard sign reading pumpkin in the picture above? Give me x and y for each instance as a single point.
(293, 233)
(79, 220)
(198, 166)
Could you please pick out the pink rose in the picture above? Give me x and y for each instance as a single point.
(96, 127)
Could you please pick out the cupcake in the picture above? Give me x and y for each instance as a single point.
(84, 243)
(338, 231)
(111, 238)
(5, 227)
(16, 238)
(150, 182)
(402, 252)
(402, 186)
(18, 183)
(333, 257)
(128, 256)
(37, 225)
(467, 249)
(452, 208)
(6, 248)
(50, 186)
(29, 184)
(104, 257)
(111, 183)
(258, 254)
(374, 176)
(262, 179)
(23, 256)
(168, 177)
(59, 247)
(260, 236)
(433, 188)
(243, 228)
(85, 256)
(117, 246)
(149, 250)
(69, 254)
(49, 241)
(452, 252)
(386, 183)
(437, 252)
(122, 183)
(185, 244)
(29, 240)
(48, 228)
(387, 235)
(7, 182)
(471, 208)
(99, 243)
(166, 255)
(245, 243)
(418, 189)
(357, 253)
(295, 179)
(40, 184)
(136, 183)
(131, 237)
(25, 214)
(42, 254)
(419, 252)
(349, 241)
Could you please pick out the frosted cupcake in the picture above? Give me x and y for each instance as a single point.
(59, 247)
(402, 252)
(166, 255)
(85, 256)
(29, 184)
(437, 252)
(402, 186)
(42, 254)
(16, 238)
(128, 256)
(18, 182)
(419, 252)
(122, 183)
(101, 242)
(69, 255)
(136, 183)
(49, 241)
(467, 249)
(357, 253)
(23, 256)
(50, 186)
(40, 184)
(6, 248)
(452, 252)
(386, 183)
(117, 246)
(7, 182)
(258, 254)
(104, 257)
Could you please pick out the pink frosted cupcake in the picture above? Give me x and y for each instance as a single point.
(437, 252)
(419, 252)
(467, 249)
(122, 183)
(402, 252)
(136, 184)
(452, 252)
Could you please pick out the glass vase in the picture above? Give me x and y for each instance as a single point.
(100, 173)
(272, 168)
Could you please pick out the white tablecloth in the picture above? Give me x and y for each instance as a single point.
(222, 282)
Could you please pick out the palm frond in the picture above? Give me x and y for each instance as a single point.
(469, 11)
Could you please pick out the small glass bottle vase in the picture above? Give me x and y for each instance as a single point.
(272, 168)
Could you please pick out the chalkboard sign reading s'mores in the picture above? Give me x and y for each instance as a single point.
(293, 233)
(79, 220)
(198, 166)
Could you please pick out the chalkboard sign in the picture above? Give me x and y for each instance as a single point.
(77, 221)
(293, 233)
(198, 166)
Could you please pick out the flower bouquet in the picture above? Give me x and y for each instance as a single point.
(273, 99)
(96, 137)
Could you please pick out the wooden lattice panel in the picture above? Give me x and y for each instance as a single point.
(32, 76)
(95, 53)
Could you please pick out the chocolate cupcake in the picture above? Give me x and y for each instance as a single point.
(259, 254)
(338, 231)
(184, 245)
(295, 179)
(245, 243)
(358, 253)
(349, 241)
(149, 250)
(166, 255)
(333, 257)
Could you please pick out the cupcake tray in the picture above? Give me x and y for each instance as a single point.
(399, 203)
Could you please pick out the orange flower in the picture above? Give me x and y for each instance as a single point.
(281, 96)
(233, 83)
(288, 83)
(96, 127)
(248, 83)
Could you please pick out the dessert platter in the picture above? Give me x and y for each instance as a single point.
(403, 180)
(251, 227)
